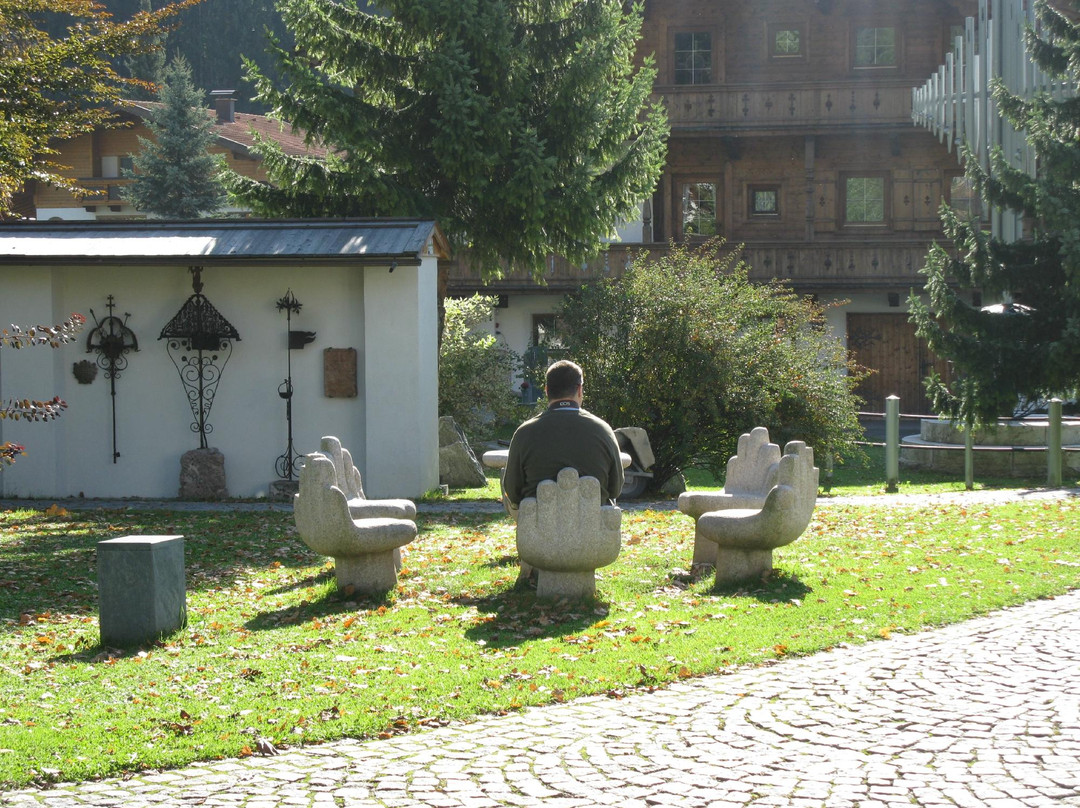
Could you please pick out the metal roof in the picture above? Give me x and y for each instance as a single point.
(213, 241)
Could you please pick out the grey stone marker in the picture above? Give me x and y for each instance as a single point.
(141, 592)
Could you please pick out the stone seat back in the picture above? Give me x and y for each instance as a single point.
(347, 478)
(567, 534)
(746, 537)
(751, 474)
(363, 549)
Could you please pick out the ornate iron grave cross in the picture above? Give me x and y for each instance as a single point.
(198, 337)
(113, 340)
(288, 463)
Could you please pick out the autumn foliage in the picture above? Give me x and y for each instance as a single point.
(58, 87)
(26, 409)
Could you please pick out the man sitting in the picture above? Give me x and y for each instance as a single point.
(563, 436)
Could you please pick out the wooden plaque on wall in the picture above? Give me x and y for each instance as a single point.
(339, 372)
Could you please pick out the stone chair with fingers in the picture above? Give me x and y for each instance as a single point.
(565, 533)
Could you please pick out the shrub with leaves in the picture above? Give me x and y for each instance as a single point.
(688, 348)
(26, 409)
(475, 369)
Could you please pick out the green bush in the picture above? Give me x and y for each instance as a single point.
(475, 369)
(688, 348)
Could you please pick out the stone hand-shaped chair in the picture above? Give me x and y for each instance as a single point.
(347, 478)
(566, 534)
(363, 549)
(746, 537)
(751, 474)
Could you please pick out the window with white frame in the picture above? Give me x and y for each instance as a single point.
(875, 47)
(864, 199)
(963, 198)
(693, 57)
(699, 209)
(785, 42)
(764, 201)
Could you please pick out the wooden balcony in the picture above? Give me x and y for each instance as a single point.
(891, 264)
(782, 107)
(101, 190)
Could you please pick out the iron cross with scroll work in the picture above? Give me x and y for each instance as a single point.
(113, 341)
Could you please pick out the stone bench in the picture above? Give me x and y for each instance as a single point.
(751, 474)
(141, 589)
(363, 549)
(746, 537)
(566, 535)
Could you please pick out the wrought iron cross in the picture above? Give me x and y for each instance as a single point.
(112, 340)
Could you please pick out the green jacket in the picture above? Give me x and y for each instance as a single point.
(562, 436)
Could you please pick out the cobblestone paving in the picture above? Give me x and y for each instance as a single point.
(983, 713)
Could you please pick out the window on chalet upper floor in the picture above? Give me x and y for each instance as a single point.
(865, 199)
(876, 47)
(786, 41)
(693, 57)
(699, 209)
(763, 201)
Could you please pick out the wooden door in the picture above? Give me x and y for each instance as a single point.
(900, 361)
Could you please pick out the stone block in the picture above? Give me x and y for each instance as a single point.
(458, 466)
(202, 475)
(141, 590)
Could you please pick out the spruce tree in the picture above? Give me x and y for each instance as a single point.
(1027, 348)
(523, 128)
(175, 176)
(147, 68)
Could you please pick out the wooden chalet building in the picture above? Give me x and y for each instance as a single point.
(97, 160)
(792, 135)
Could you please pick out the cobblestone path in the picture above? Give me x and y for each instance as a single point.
(983, 713)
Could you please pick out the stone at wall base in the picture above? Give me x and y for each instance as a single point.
(141, 592)
(202, 475)
(458, 466)
(283, 490)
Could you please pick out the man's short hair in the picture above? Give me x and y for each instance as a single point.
(563, 379)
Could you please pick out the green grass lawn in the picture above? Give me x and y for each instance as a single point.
(273, 652)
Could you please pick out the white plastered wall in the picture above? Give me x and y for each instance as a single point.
(73, 455)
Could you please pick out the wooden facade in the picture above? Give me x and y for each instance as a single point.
(792, 137)
(96, 161)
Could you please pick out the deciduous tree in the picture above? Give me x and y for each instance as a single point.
(688, 348)
(475, 369)
(55, 88)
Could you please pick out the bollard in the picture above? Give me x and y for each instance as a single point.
(969, 458)
(1053, 444)
(892, 444)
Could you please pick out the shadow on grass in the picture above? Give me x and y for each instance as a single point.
(48, 561)
(515, 616)
(775, 587)
(334, 602)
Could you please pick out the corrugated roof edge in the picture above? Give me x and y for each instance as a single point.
(223, 240)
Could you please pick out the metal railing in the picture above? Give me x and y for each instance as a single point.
(1053, 448)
